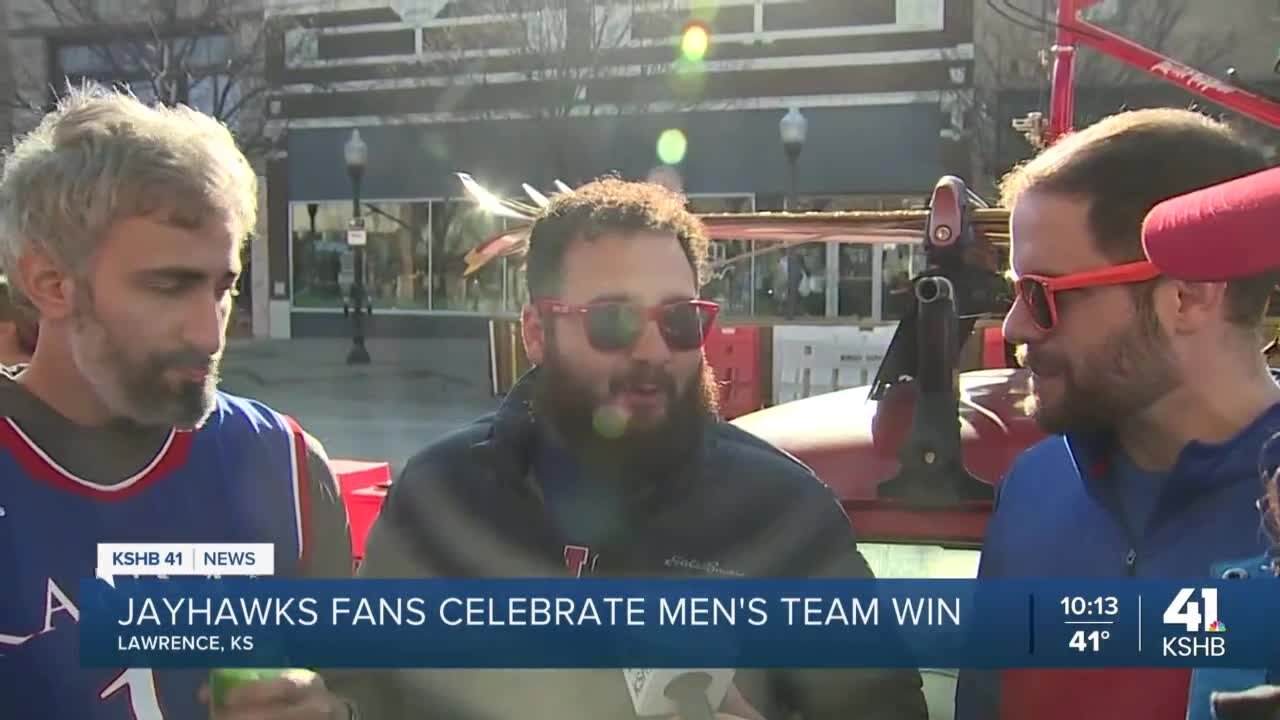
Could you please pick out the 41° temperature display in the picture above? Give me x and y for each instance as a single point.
(1088, 640)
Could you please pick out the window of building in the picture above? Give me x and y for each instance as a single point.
(732, 264)
(856, 273)
(414, 259)
(901, 263)
(750, 278)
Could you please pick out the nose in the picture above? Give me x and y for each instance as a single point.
(1018, 327)
(651, 346)
(206, 325)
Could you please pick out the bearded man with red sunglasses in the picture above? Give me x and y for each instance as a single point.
(1155, 391)
(608, 460)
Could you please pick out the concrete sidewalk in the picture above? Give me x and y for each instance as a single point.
(412, 392)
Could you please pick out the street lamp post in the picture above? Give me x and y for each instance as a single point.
(356, 154)
(793, 127)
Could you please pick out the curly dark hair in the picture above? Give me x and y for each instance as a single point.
(608, 204)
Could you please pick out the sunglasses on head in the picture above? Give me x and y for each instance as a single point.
(614, 325)
(1038, 292)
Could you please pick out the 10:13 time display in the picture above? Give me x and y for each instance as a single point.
(1108, 605)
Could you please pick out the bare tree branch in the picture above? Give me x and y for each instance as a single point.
(210, 55)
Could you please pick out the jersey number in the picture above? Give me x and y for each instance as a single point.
(139, 684)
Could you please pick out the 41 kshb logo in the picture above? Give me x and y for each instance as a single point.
(1195, 616)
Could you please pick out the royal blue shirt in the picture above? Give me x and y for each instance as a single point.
(241, 478)
(1068, 509)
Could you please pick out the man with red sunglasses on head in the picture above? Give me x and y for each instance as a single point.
(608, 460)
(1154, 389)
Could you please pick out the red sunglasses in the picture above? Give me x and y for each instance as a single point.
(613, 326)
(1037, 292)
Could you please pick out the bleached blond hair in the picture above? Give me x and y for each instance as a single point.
(102, 156)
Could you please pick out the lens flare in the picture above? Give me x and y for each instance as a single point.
(610, 421)
(694, 42)
(672, 145)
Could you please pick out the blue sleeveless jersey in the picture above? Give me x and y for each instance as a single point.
(240, 478)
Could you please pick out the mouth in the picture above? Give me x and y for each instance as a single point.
(1040, 368)
(197, 374)
(646, 395)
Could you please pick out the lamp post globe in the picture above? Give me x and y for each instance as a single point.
(355, 152)
(793, 128)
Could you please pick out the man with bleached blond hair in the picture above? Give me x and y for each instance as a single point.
(122, 225)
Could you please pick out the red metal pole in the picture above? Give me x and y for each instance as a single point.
(1062, 105)
(1072, 31)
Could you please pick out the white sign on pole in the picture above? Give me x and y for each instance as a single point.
(357, 237)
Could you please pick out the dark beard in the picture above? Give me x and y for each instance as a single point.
(1129, 372)
(189, 406)
(141, 395)
(644, 453)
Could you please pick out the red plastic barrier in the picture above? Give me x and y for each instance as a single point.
(364, 485)
(355, 474)
(993, 355)
(734, 355)
(363, 506)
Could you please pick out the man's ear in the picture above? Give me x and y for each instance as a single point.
(1196, 304)
(47, 285)
(533, 333)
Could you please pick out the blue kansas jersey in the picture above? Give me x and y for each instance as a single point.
(239, 478)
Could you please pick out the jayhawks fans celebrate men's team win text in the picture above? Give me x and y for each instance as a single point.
(122, 225)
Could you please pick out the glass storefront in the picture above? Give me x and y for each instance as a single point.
(414, 258)
(416, 249)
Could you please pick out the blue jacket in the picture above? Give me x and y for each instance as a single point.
(1058, 514)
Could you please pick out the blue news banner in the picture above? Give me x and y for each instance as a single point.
(583, 623)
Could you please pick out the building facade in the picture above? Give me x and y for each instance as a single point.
(895, 94)
(436, 88)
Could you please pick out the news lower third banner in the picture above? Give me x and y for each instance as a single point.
(731, 623)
